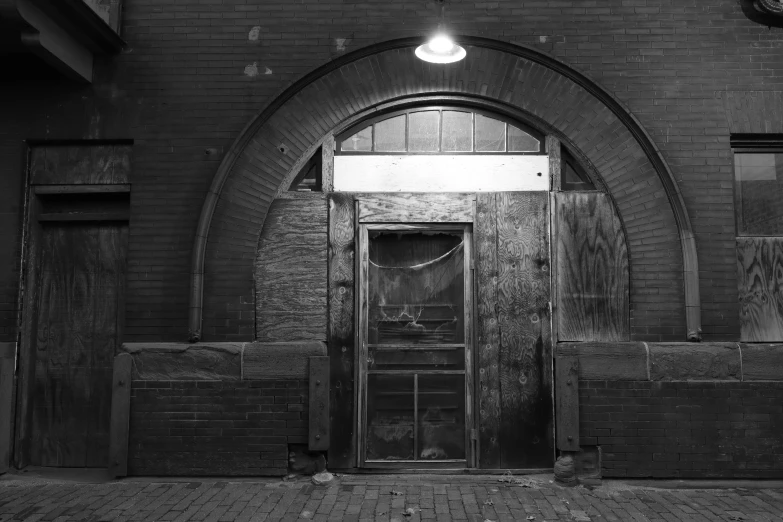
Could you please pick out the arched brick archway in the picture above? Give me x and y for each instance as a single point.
(661, 245)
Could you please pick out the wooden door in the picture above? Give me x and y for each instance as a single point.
(76, 331)
(415, 345)
(514, 340)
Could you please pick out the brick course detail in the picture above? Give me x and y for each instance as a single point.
(684, 429)
(215, 427)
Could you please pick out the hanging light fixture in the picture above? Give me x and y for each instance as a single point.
(441, 48)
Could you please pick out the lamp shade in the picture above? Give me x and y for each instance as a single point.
(440, 49)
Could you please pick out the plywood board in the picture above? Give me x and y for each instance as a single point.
(759, 269)
(567, 382)
(318, 412)
(592, 269)
(340, 333)
(487, 331)
(291, 272)
(440, 173)
(523, 291)
(81, 164)
(81, 279)
(416, 208)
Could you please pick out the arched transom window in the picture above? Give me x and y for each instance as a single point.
(440, 130)
(440, 149)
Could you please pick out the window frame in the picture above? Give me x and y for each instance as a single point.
(370, 122)
(750, 144)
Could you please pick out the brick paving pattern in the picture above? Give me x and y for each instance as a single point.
(384, 498)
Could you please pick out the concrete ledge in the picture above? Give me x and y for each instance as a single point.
(695, 362)
(279, 360)
(185, 362)
(762, 362)
(608, 361)
(676, 361)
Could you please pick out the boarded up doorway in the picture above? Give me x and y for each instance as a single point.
(74, 302)
(80, 287)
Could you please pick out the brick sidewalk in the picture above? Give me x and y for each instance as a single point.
(387, 498)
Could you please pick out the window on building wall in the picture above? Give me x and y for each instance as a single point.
(441, 130)
(440, 149)
(308, 179)
(574, 177)
(758, 185)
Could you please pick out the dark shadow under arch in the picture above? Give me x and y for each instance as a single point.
(510, 77)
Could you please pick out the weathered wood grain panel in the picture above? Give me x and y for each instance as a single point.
(416, 208)
(487, 330)
(291, 274)
(318, 420)
(523, 291)
(120, 415)
(592, 269)
(279, 360)
(341, 344)
(567, 382)
(79, 311)
(7, 352)
(695, 362)
(608, 361)
(185, 362)
(762, 362)
(555, 162)
(81, 164)
(760, 286)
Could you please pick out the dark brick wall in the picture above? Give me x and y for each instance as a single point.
(186, 85)
(215, 427)
(684, 429)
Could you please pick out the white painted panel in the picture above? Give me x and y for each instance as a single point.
(440, 173)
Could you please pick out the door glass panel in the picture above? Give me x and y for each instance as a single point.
(416, 293)
(390, 407)
(441, 417)
(409, 358)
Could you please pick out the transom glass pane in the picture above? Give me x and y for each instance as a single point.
(423, 135)
(490, 134)
(759, 179)
(457, 132)
(359, 142)
(390, 135)
(521, 141)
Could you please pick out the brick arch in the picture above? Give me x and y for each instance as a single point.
(661, 245)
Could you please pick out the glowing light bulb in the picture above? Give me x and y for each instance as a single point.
(440, 49)
(441, 44)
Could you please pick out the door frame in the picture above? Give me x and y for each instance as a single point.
(362, 261)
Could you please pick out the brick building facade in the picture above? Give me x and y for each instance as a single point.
(214, 108)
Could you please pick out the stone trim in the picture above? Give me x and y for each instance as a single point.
(676, 361)
(221, 361)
